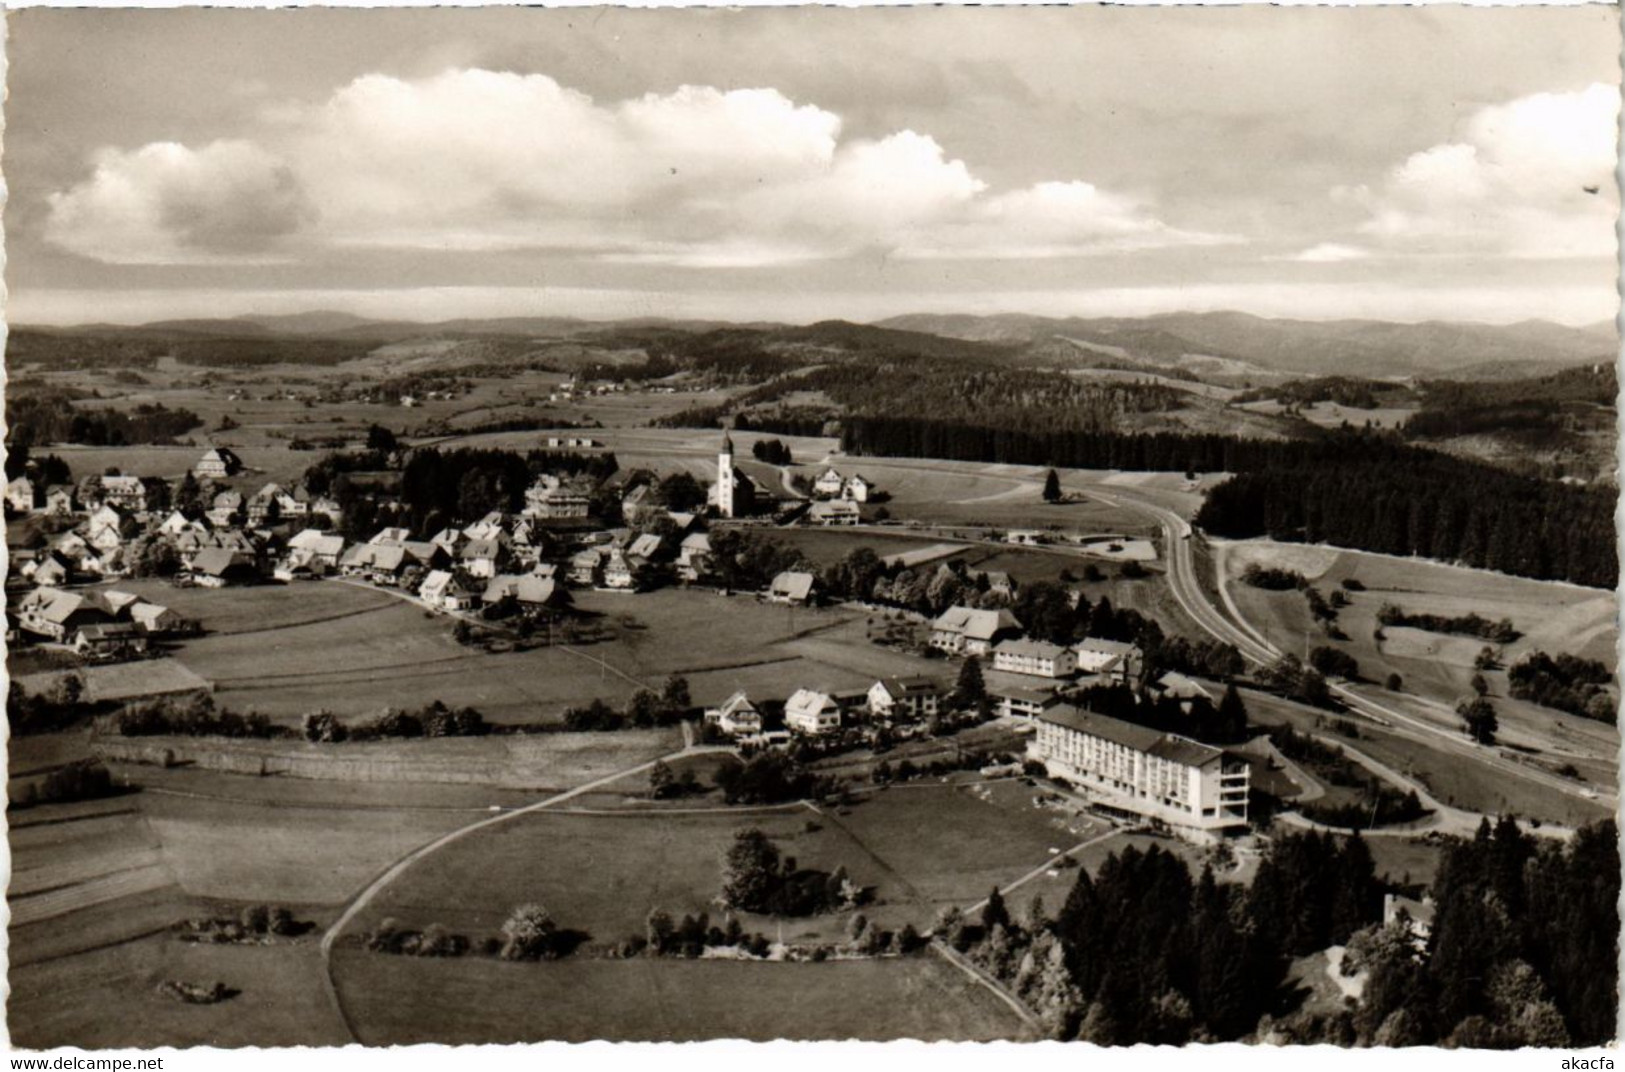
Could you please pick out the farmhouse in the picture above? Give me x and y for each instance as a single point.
(1115, 660)
(1176, 686)
(217, 464)
(273, 503)
(443, 591)
(1417, 915)
(312, 546)
(834, 512)
(59, 500)
(1035, 657)
(736, 716)
(999, 583)
(968, 631)
(829, 483)
(111, 640)
(57, 615)
(812, 713)
(531, 591)
(216, 567)
(50, 569)
(224, 507)
(636, 502)
(1025, 702)
(913, 697)
(379, 563)
(794, 587)
(1191, 786)
(157, 620)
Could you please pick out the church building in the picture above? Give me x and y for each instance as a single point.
(733, 494)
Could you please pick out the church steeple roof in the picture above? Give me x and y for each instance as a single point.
(727, 442)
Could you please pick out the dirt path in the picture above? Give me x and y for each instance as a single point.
(399, 867)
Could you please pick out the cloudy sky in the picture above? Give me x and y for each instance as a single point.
(808, 163)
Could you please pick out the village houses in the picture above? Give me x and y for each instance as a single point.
(970, 631)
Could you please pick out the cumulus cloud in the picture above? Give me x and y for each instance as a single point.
(165, 203)
(485, 160)
(1533, 177)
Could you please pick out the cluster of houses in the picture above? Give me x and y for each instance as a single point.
(98, 625)
(898, 703)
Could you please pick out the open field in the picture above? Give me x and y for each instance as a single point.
(260, 608)
(281, 1003)
(1437, 668)
(480, 1000)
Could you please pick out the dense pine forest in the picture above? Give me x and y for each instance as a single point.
(1348, 488)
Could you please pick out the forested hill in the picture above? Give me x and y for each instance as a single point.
(1349, 488)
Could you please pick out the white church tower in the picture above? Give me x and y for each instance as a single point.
(724, 493)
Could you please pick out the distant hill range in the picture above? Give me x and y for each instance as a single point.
(1371, 348)
(1224, 347)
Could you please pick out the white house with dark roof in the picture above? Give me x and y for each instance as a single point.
(972, 631)
(1195, 788)
(443, 591)
(20, 495)
(915, 697)
(857, 489)
(1037, 658)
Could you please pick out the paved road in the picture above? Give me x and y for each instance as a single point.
(1234, 629)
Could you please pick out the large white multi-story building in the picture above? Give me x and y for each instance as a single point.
(1195, 788)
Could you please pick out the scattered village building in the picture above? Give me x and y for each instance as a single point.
(224, 508)
(158, 620)
(1196, 788)
(829, 483)
(857, 489)
(834, 512)
(1037, 658)
(378, 563)
(217, 464)
(694, 556)
(20, 495)
(442, 590)
(484, 558)
(391, 537)
(1024, 537)
(1117, 661)
(1026, 702)
(274, 503)
(550, 499)
(125, 492)
(56, 615)
(969, 631)
(910, 698)
(733, 494)
(587, 567)
(1173, 685)
(999, 583)
(794, 587)
(1417, 915)
(313, 547)
(531, 591)
(812, 713)
(110, 640)
(58, 500)
(736, 716)
(618, 572)
(637, 502)
(217, 567)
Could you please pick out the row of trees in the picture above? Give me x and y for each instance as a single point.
(1474, 625)
(647, 708)
(1566, 682)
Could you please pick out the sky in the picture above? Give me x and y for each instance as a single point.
(808, 163)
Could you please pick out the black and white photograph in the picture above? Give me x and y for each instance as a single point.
(1064, 524)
